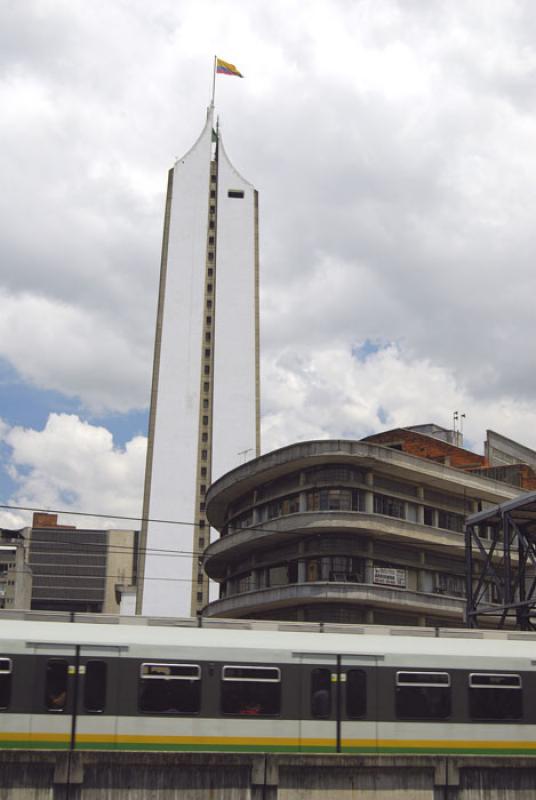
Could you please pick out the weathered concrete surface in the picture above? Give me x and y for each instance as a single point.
(221, 776)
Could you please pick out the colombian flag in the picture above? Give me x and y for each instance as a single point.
(225, 68)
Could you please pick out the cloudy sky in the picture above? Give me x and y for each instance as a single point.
(393, 144)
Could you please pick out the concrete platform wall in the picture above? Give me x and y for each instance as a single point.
(221, 776)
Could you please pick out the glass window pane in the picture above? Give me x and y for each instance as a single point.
(56, 684)
(423, 695)
(495, 696)
(251, 691)
(356, 693)
(5, 683)
(170, 688)
(95, 686)
(321, 693)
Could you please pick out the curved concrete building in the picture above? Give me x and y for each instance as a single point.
(343, 531)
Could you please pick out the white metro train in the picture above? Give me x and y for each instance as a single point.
(242, 686)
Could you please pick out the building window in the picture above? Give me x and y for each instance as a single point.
(282, 507)
(213, 193)
(211, 256)
(278, 575)
(205, 419)
(200, 597)
(211, 225)
(170, 688)
(201, 542)
(201, 506)
(209, 320)
(452, 522)
(251, 691)
(204, 437)
(201, 523)
(204, 455)
(335, 500)
(207, 352)
(389, 506)
(428, 515)
(235, 194)
(206, 369)
(209, 288)
(422, 695)
(211, 239)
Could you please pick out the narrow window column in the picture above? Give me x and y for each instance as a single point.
(369, 494)
(420, 507)
(302, 571)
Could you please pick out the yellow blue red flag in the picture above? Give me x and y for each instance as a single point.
(224, 68)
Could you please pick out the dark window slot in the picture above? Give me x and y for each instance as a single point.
(356, 693)
(95, 687)
(56, 684)
(321, 693)
(6, 669)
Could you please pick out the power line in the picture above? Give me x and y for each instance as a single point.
(99, 516)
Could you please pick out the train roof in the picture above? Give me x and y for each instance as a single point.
(282, 637)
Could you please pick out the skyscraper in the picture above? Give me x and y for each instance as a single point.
(204, 417)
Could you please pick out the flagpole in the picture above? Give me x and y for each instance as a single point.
(213, 82)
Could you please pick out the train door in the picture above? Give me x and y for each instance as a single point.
(96, 697)
(357, 699)
(318, 703)
(339, 703)
(53, 694)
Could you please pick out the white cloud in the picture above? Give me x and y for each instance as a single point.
(74, 351)
(73, 465)
(392, 144)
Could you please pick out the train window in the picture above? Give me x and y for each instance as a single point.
(6, 669)
(251, 691)
(423, 695)
(170, 688)
(495, 696)
(356, 693)
(321, 693)
(56, 684)
(95, 686)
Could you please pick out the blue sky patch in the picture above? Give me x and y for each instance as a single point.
(365, 349)
(26, 405)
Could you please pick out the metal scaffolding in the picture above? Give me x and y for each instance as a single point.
(500, 554)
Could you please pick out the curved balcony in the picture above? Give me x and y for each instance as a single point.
(239, 544)
(361, 594)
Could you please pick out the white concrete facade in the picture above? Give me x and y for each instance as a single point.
(181, 404)
(235, 424)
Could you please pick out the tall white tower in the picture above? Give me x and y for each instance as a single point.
(205, 393)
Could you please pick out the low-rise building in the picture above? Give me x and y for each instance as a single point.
(365, 531)
(64, 568)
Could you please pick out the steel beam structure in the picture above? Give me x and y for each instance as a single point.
(500, 553)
